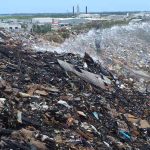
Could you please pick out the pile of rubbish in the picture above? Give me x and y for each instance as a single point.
(125, 50)
(65, 102)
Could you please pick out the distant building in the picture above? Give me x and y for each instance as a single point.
(139, 15)
(10, 26)
(9, 20)
(89, 16)
(42, 20)
(72, 21)
(114, 17)
(59, 21)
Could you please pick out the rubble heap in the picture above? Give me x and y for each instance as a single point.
(62, 101)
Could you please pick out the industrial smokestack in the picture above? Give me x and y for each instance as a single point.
(78, 10)
(86, 10)
(73, 10)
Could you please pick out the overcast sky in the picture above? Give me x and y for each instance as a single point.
(49, 6)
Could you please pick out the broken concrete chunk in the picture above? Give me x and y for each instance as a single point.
(64, 103)
(139, 122)
(19, 116)
(24, 95)
(43, 93)
(41, 89)
(144, 124)
(131, 118)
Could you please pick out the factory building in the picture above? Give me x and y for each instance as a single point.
(10, 26)
(42, 20)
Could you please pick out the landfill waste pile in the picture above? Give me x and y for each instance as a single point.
(51, 101)
(125, 50)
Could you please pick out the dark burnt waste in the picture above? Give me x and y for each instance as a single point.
(51, 101)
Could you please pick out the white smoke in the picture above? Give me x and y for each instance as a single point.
(120, 47)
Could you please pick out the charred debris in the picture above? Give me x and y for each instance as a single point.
(65, 102)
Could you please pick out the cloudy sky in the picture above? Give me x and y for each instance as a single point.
(43, 6)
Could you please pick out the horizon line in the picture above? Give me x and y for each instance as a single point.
(30, 13)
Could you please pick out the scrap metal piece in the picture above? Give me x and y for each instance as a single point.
(97, 80)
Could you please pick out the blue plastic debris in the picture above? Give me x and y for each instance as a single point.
(96, 115)
(125, 135)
